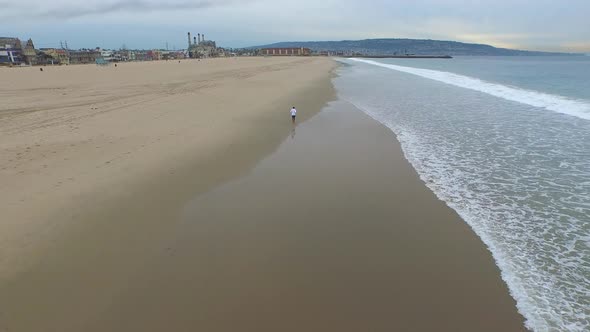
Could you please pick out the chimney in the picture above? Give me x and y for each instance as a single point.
(203, 36)
(199, 37)
(189, 40)
(195, 40)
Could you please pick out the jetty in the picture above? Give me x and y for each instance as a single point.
(407, 56)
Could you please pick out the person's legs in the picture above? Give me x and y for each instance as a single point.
(293, 118)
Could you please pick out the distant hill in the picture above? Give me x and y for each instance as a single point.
(393, 46)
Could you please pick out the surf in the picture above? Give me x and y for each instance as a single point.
(559, 104)
(516, 174)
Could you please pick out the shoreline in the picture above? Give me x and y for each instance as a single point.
(317, 237)
(282, 234)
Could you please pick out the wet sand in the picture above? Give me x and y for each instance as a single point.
(333, 232)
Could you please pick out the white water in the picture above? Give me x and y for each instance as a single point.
(578, 108)
(517, 174)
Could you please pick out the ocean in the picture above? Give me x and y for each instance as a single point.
(505, 142)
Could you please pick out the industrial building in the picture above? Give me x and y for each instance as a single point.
(201, 48)
(286, 51)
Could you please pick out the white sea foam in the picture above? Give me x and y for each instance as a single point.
(520, 182)
(560, 104)
(542, 299)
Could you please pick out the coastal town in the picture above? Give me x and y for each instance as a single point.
(14, 52)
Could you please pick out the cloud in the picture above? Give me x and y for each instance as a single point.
(505, 40)
(525, 24)
(582, 46)
(89, 8)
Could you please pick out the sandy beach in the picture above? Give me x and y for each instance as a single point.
(80, 137)
(152, 197)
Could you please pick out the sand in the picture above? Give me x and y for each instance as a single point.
(81, 136)
(135, 199)
(333, 232)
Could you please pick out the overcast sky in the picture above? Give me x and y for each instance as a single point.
(553, 25)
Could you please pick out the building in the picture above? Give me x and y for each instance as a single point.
(139, 55)
(172, 55)
(286, 51)
(107, 55)
(30, 53)
(84, 56)
(59, 56)
(222, 52)
(11, 52)
(154, 55)
(201, 48)
(44, 59)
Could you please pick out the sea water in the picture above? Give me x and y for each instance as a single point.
(504, 141)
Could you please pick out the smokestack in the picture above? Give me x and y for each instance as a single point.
(199, 37)
(189, 40)
(195, 40)
(203, 36)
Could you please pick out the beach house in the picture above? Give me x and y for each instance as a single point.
(11, 52)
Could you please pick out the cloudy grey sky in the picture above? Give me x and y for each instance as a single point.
(553, 25)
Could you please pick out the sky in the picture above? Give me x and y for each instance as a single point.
(544, 25)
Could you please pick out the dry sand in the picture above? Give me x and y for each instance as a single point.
(109, 222)
(81, 137)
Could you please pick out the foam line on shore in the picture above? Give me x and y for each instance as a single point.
(559, 104)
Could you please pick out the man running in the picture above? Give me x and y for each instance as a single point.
(293, 114)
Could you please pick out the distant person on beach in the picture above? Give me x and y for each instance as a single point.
(293, 114)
